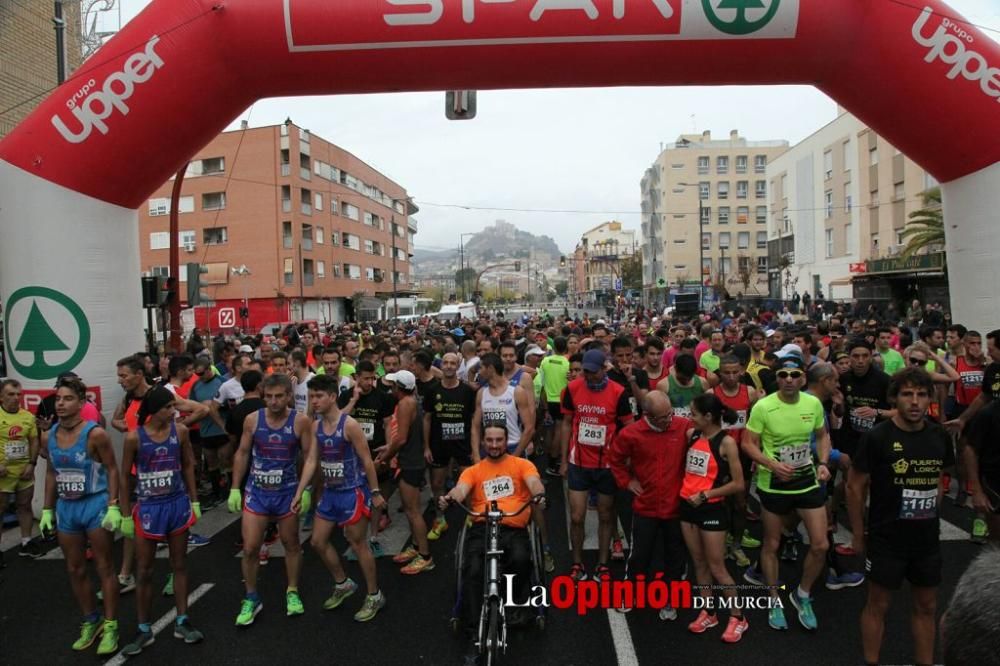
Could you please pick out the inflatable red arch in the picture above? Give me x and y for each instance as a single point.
(73, 173)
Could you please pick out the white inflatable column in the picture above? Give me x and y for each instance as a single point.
(971, 209)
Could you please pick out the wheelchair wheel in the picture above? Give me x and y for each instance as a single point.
(537, 555)
(494, 634)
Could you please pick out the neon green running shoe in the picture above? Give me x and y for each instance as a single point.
(168, 589)
(109, 639)
(248, 611)
(293, 603)
(749, 542)
(89, 631)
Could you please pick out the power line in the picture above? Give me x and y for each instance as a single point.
(947, 16)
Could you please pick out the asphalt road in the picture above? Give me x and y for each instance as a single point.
(39, 620)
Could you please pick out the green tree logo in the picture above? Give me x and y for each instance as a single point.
(739, 25)
(37, 336)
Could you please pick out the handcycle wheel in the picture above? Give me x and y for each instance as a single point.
(493, 634)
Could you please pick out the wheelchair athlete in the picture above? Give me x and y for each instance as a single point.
(511, 482)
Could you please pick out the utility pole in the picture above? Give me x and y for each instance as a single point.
(395, 296)
(60, 25)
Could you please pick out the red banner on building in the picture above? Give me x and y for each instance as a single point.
(33, 397)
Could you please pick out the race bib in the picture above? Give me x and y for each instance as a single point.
(368, 429)
(268, 479)
(333, 472)
(16, 451)
(156, 483)
(634, 406)
(71, 483)
(861, 424)
(918, 504)
(740, 422)
(592, 435)
(498, 488)
(683, 412)
(453, 431)
(797, 455)
(697, 462)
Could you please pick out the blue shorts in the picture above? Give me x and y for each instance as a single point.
(345, 507)
(587, 479)
(273, 504)
(82, 515)
(158, 519)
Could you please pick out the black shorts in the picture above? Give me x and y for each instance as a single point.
(585, 479)
(416, 478)
(710, 516)
(214, 442)
(444, 452)
(887, 564)
(555, 411)
(194, 436)
(781, 503)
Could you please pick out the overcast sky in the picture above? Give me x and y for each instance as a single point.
(582, 150)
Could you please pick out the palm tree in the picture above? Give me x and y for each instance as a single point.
(926, 226)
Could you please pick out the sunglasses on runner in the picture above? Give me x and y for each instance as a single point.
(918, 361)
(789, 374)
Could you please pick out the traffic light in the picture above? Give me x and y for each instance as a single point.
(517, 266)
(168, 291)
(562, 262)
(195, 295)
(150, 291)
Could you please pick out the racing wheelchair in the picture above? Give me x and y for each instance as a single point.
(491, 635)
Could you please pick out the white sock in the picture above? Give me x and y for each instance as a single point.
(802, 593)
(25, 541)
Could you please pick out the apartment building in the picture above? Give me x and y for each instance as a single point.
(839, 202)
(704, 213)
(605, 247)
(287, 223)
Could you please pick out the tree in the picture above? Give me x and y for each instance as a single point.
(465, 282)
(38, 338)
(926, 226)
(631, 268)
(562, 288)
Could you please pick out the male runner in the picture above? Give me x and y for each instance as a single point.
(274, 436)
(499, 401)
(554, 369)
(18, 457)
(512, 372)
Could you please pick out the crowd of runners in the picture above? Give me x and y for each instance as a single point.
(707, 424)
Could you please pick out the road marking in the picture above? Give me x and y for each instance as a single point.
(624, 648)
(591, 539)
(166, 620)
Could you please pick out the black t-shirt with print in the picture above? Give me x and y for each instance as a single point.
(905, 471)
(868, 390)
(451, 411)
(991, 381)
(982, 434)
(370, 412)
(641, 380)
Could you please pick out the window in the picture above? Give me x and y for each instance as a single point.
(704, 190)
(898, 193)
(213, 165)
(305, 201)
(308, 272)
(352, 272)
(160, 271)
(828, 165)
(319, 235)
(318, 201)
(762, 265)
(369, 247)
(370, 274)
(307, 237)
(706, 240)
(326, 172)
(335, 270)
(828, 204)
(215, 236)
(186, 241)
(743, 240)
(289, 271)
(162, 206)
(334, 207)
(352, 242)
(724, 240)
(744, 265)
(284, 129)
(760, 189)
(334, 238)
(321, 269)
(703, 164)
(213, 201)
(849, 237)
(723, 189)
(159, 240)
(846, 147)
(873, 157)
(742, 189)
(286, 235)
(847, 197)
(874, 198)
(829, 243)
(351, 212)
(742, 215)
(706, 266)
(304, 136)
(305, 166)
(722, 164)
(706, 215)
(723, 214)
(726, 266)
(786, 221)
(677, 167)
(759, 163)
(784, 185)
(761, 215)
(286, 198)
(741, 164)
(761, 240)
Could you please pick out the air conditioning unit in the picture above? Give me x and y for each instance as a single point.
(189, 247)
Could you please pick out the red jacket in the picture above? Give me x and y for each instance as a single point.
(656, 459)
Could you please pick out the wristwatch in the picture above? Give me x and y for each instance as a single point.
(376, 492)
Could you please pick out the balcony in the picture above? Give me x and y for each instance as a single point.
(286, 169)
(411, 224)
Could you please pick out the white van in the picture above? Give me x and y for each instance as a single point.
(452, 311)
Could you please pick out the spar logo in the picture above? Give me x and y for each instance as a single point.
(91, 107)
(733, 17)
(950, 44)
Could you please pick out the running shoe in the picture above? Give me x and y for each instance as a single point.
(749, 542)
(293, 603)
(807, 618)
(405, 556)
(89, 631)
(271, 534)
(188, 633)
(373, 604)
(553, 471)
(248, 612)
(264, 556)
(168, 589)
(592, 502)
(602, 570)
(142, 640)
(30, 549)
(667, 614)
(736, 553)
(307, 522)
(417, 565)
(776, 619)
(340, 592)
(617, 549)
(439, 527)
(384, 521)
(109, 638)
(350, 555)
(753, 517)
(703, 623)
(550, 562)
(849, 579)
(754, 576)
(979, 531)
(735, 629)
(197, 540)
(577, 572)
(125, 585)
(790, 550)
(961, 499)
(376, 548)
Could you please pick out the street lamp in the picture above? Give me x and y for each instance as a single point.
(701, 245)
(461, 263)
